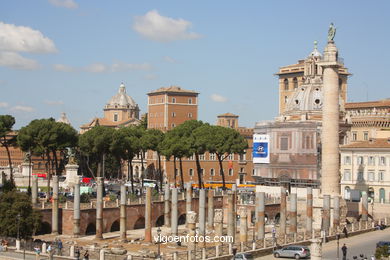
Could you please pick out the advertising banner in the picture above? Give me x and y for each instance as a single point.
(261, 148)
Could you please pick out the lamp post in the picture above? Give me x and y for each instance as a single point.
(158, 242)
(338, 246)
(372, 209)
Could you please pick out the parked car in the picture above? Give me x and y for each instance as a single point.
(293, 251)
(383, 243)
(243, 256)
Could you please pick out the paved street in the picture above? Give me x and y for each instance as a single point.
(364, 243)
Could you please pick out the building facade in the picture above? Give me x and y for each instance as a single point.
(365, 166)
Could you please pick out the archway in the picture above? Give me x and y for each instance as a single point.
(382, 195)
(160, 221)
(277, 218)
(140, 223)
(45, 228)
(91, 229)
(182, 219)
(115, 226)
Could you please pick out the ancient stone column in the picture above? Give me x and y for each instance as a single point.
(188, 196)
(123, 212)
(243, 225)
(210, 212)
(316, 249)
(34, 190)
(260, 217)
(99, 208)
(55, 206)
(174, 212)
(148, 215)
(191, 221)
(283, 205)
(202, 212)
(364, 206)
(76, 209)
(230, 216)
(336, 212)
(167, 206)
(218, 222)
(330, 180)
(309, 211)
(293, 213)
(326, 214)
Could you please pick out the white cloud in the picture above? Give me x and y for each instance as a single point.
(22, 109)
(120, 66)
(150, 77)
(24, 39)
(64, 3)
(63, 68)
(96, 68)
(16, 61)
(218, 98)
(3, 104)
(169, 59)
(53, 102)
(163, 29)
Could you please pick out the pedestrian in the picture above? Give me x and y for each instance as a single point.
(345, 231)
(59, 246)
(344, 250)
(86, 255)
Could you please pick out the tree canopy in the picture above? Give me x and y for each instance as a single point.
(6, 124)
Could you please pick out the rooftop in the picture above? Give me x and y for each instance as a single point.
(368, 104)
(372, 143)
(172, 89)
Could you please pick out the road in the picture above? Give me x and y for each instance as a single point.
(360, 244)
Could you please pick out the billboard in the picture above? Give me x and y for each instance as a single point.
(261, 148)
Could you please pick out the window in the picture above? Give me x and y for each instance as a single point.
(285, 99)
(360, 160)
(347, 160)
(230, 172)
(191, 172)
(173, 125)
(360, 176)
(115, 117)
(212, 156)
(347, 175)
(231, 157)
(202, 172)
(354, 136)
(242, 157)
(365, 136)
(284, 143)
(201, 157)
(285, 84)
(192, 157)
(295, 81)
(242, 170)
(371, 176)
(173, 114)
(190, 101)
(381, 176)
(382, 161)
(212, 172)
(189, 115)
(173, 100)
(371, 160)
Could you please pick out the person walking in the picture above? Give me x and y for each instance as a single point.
(59, 246)
(344, 250)
(345, 231)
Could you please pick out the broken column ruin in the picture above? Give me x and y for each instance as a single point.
(260, 217)
(218, 222)
(123, 212)
(283, 205)
(167, 206)
(34, 190)
(230, 216)
(191, 222)
(309, 211)
(202, 212)
(326, 214)
(210, 211)
(54, 209)
(148, 215)
(99, 208)
(243, 225)
(336, 212)
(174, 213)
(364, 206)
(76, 209)
(293, 213)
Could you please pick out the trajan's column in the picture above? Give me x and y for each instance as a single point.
(330, 182)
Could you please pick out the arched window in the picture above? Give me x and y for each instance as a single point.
(230, 172)
(285, 84)
(191, 172)
(295, 81)
(212, 172)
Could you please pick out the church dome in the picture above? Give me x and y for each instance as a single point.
(307, 98)
(315, 52)
(121, 99)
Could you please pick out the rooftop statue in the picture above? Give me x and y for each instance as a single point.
(331, 32)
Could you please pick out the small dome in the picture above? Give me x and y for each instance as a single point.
(315, 52)
(63, 119)
(121, 99)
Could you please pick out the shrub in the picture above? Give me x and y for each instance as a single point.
(85, 198)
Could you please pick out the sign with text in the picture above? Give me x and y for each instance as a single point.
(261, 148)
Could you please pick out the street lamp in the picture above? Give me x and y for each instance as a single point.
(158, 242)
(338, 245)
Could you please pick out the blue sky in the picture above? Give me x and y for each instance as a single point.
(71, 56)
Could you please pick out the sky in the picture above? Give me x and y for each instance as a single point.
(71, 56)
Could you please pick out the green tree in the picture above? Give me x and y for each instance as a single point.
(222, 141)
(7, 140)
(151, 141)
(95, 144)
(47, 138)
(16, 213)
(196, 144)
